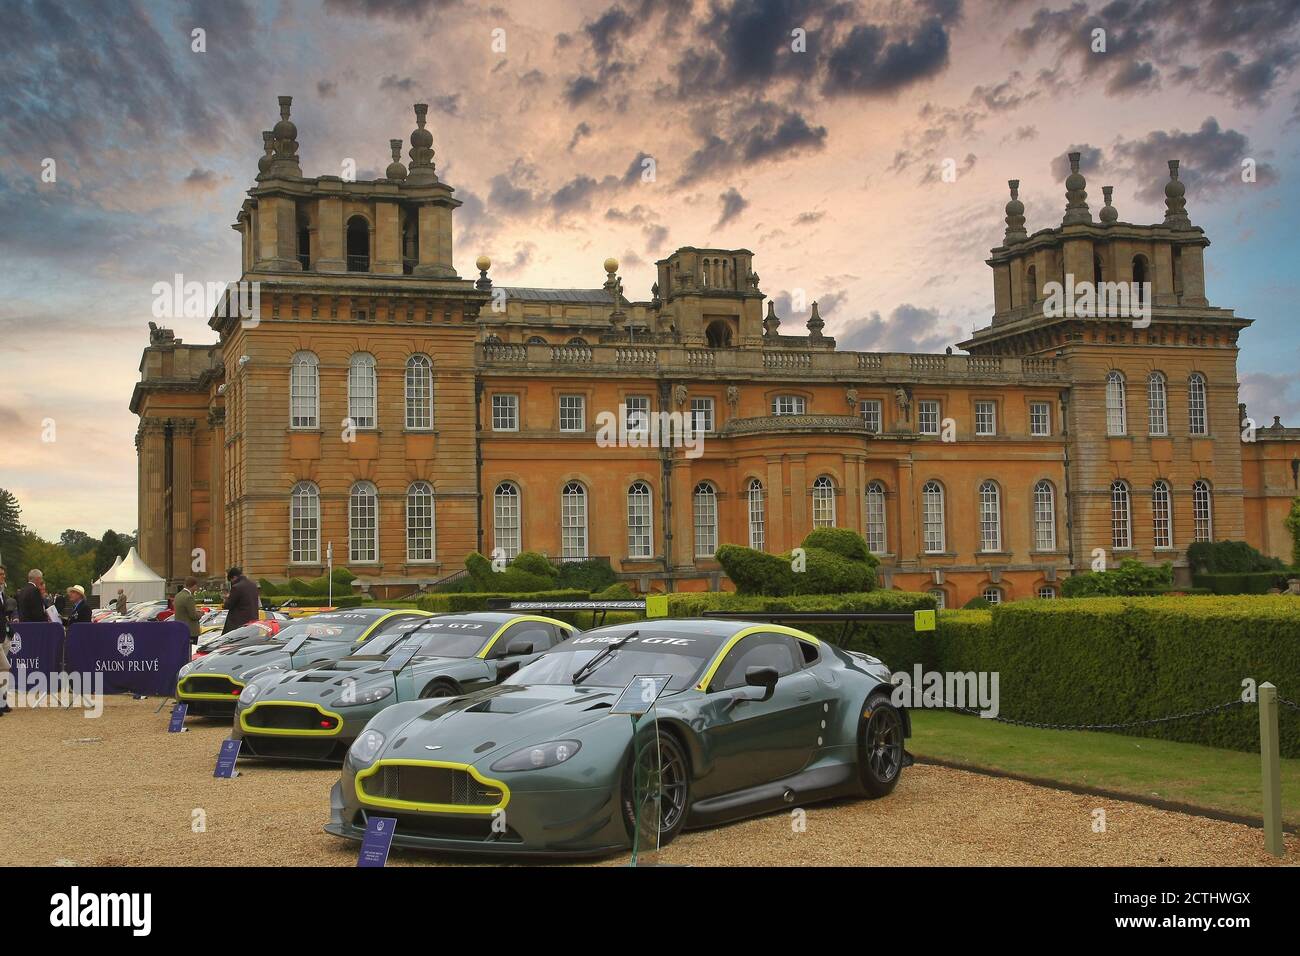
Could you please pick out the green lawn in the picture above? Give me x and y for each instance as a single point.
(1226, 780)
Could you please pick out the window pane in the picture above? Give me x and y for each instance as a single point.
(505, 520)
(1203, 511)
(1198, 422)
(363, 524)
(1157, 404)
(1120, 532)
(639, 522)
(419, 522)
(1044, 517)
(932, 517)
(1161, 516)
(702, 414)
(877, 539)
(304, 391)
(304, 524)
(927, 417)
(990, 518)
(1116, 411)
(757, 517)
(823, 503)
(573, 413)
(870, 410)
(362, 391)
(706, 520)
(419, 392)
(985, 418)
(573, 521)
(505, 413)
(1040, 418)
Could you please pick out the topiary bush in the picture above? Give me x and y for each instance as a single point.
(524, 573)
(1292, 522)
(1228, 557)
(1130, 578)
(834, 561)
(594, 574)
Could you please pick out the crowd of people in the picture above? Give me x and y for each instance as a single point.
(34, 604)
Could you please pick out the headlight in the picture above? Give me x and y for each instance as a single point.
(365, 696)
(367, 746)
(249, 694)
(539, 757)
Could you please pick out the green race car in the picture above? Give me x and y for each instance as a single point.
(211, 685)
(316, 713)
(753, 718)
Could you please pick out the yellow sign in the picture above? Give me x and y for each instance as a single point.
(656, 605)
(924, 620)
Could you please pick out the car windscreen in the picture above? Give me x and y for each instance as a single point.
(322, 627)
(438, 638)
(683, 658)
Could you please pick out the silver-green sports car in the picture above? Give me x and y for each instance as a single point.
(754, 717)
(315, 714)
(211, 685)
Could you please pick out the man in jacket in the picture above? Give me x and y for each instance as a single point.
(243, 604)
(31, 599)
(185, 609)
(77, 611)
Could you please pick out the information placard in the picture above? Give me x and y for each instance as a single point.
(377, 841)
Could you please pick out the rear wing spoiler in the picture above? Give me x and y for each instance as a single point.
(924, 620)
(656, 605)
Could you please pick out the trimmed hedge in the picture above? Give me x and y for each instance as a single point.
(1242, 582)
(316, 587)
(1116, 660)
(477, 600)
(347, 599)
(1229, 557)
(1131, 577)
(528, 572)
(836, 562)
(594, 574)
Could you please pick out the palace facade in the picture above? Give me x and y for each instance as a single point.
(381, 403)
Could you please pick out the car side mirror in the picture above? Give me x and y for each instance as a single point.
(764, 677)
(519, 648)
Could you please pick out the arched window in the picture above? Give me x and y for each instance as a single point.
(492, 340)
(304, 391)
(363, 524)
(706, 520)
(1156, 404)
(757, 516)
(823, 495)
(410, 242)
(940, 599)
(505, 519)
(1116, 409)
(1162, 515)
(1197, 421)
(1044, 516)
(1203, 510)
(304, 244)
(992, 595)
(536, 340)
(640, 521)
(932, 518)
(990, 517)
(1031, 286)
(877, 538)
(1121, 516)
(362, 390)
(573, 521)
(419, 522)
(304, 523)
(358, 244)
(1047, 592)
(577, 342)
(718, 334)
(419, 392)
(1096, 274)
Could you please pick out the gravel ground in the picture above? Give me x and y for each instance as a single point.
(119, 790)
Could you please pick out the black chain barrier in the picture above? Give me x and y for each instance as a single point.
(1288, 703)
(1217, 708)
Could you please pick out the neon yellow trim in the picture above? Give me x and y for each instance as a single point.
(487, 648)
(656, 605)
(735, 639)
(181, 694)
(923, 620)
(394, 804)
(365, 635)
(287, 732)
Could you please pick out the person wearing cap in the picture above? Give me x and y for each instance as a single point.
(78, 611)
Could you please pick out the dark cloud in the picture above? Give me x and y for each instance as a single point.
(608, 29)
(392, 81)
(733, 204)
(869, 62)
(580, 132)
(448, 105)
(1004, 96)
(1267, 395)
(756, 132)
(909, 328)
(1133, 77)
(1210, 161)
(326, 89)
(202, 180)
(808, 218)
(934, 172)
(655, 237)
(1091, 159)
(389, 9)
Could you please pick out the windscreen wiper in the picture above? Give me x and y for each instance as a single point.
(582, 672)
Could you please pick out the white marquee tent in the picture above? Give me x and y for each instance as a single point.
(134, 577)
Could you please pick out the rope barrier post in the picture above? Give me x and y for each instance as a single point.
(1271, 763)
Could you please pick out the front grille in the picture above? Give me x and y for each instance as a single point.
(297, 748)
(437, 785)
(288, 717)
(209, 684)
(484, 829)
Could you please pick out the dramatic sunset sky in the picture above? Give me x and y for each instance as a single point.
(826, 163)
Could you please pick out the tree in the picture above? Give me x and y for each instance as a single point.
(77, 543)
(61, 568)
(1293, 525)
(11, 536)
(111, 547)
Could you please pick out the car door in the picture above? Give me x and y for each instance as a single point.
(541, 635)
(752, 741)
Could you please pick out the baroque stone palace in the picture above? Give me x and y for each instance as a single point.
(382, 403)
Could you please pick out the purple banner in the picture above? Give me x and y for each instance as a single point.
(38, 648)
(134, 657)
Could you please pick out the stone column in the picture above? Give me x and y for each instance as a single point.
(388, 240)
(329, 236)
(151, 442)
(182, 542)
(778, 539)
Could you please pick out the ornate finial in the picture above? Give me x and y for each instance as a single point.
(395, 171)
(1076, 206)
(1015, 216)
(614, 286)
(815, 325)
(268, 156)
(484, 264)
(422, 170)
(285, 134)
(1175, 203)
(770, 322)
(1108, 214)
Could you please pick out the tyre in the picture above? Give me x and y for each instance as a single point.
(665, 773)
(439, 688)
(880, 745)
